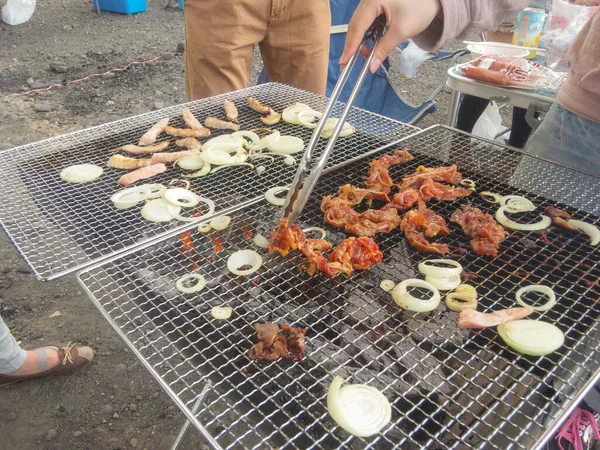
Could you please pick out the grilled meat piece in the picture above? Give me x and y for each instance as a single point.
(137, 150)
(272, 118)
(150, 136)
(485, 233)
(559, 218)
(379, 178)
(172, 156)
(257, 106)
(404, 199)
(442, 192)
(190, 143)
(212, 122)
(469, 318)
(127, 163)
(339, 214)
(418, 223)
(231, 111)
(286, 238)
(315, 260)
(353, 195)
(448, 175)
(273, 343)
(188, 132)
(142, 173)
(190, 120)
(362, 253)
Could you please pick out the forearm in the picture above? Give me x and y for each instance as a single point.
(465, 18)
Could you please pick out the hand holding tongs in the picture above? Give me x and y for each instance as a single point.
(308, 170)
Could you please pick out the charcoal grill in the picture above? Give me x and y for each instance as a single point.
(449, 388)
(59, 228)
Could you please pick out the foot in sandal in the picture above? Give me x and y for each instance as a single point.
(50, 361)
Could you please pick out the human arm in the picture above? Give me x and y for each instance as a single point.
(429, 22)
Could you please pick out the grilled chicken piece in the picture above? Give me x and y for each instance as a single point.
(127, 163)
(231, 111)
(190, 143)
(486, 234)
(150, 136)
(141, 174)
(212, 122)
(470, 318)
(256, 106)
(272, 118)
(166, 158)
(190, 120)
(138, 150)
(188, 132)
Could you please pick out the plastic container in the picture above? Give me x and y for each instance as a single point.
(121, 6)
(488, 48)
(181, 5)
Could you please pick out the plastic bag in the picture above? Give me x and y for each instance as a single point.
(17, 12)
(508, 71)
(489, 123)
(412, 58)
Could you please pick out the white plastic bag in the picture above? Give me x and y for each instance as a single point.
(17, 12)
(412, 58)
(490, 123)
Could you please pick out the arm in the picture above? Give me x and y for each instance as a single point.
(429, 22)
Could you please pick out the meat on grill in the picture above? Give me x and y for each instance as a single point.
(404, 200)
(142, 173)
(469, 318)
(559, 218)
(353, 195)
(170, 157)
(150, 136)
(274, 343)
(125, 162)
(379, 178)
(443, 192)
(352, 254)
(339, 214)
(448, 175)
(286, 238)
(485, 233)
(419, 224)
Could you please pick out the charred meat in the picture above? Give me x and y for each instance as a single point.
(274, 343)
(485, 233)
(286, 238)
(559, 218)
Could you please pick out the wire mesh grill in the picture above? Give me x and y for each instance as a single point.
(449, 388)
(59, 228)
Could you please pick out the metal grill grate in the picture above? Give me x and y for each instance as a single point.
(59, 228)
(450, 388)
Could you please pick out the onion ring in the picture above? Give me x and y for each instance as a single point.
(516, 204)
(591, 230)
(306, 122)
(487, 195)
(261, 241)
(243, 258)
(197, 287)
(319, 229)
(181, 197)
(220, 223)
(545, 222)
(160, 210)
(407, 301)
(464, 297)
(211, 210)
(387, 285)
(542, 290)
(221, 312)
(130, 197)
(272, 198)
(428, 269)
(204, 227)
(444, 283)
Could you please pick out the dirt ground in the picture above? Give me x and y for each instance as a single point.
(114, 404)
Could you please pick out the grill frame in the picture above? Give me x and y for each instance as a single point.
(94, 280)
(58, 228)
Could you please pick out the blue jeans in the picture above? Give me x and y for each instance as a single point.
(11, 355)
(568, 139)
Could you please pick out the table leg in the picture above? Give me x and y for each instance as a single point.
(186, 425)
(454, 105)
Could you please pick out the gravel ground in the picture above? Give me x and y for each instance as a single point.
(114, 404)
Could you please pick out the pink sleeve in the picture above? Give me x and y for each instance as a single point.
(466, 18)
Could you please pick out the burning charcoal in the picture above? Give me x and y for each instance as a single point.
(326, 354)
(364, 307)
(363, 349)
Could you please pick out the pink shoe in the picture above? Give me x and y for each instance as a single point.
(573, 429)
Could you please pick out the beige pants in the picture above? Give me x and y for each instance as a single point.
(293, 36)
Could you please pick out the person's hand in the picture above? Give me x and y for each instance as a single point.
(405, 19)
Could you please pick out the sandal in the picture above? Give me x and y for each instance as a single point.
(71, 359)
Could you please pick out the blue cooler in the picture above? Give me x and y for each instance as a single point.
(121, 6)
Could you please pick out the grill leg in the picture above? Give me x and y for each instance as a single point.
(453, 111)
(186, 425)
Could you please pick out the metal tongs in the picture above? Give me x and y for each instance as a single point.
(309, 169)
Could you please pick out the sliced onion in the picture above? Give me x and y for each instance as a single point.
(81, 173)
(221, 312)
(359, 409)
(181, 197)
(490, 197)
(464, 297)
(225, 166)
(271, 197)
(260, 169)
(289, 160)
(428, 268)
(307, 118)
(548, 292)
(190, 162)
(405, 300)
(591, 230)
(177, 181)
(242, 258)
(200, 173)
(211, 210)
(444, 283)
(160, 210)
(155, 190)
(467, 183)
(227, 142)
(531, 337)
(128, 198)
(220, 223)
(387, 285)
(218, 156)
(290, 114)
(199, 284)
(287, 145)
(267, 141)
(346, 130)
(516, 204)
(254, 138)
(261, 241)
(545, 222)
(204, 227)
(319, 229)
